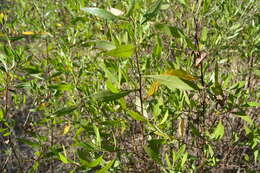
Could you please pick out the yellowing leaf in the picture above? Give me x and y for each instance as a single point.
(44, 33)
(153, 89)
(180, 74)
(181, 128)
(66, 129)
(28, 33)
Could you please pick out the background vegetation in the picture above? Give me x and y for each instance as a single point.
(129, 86)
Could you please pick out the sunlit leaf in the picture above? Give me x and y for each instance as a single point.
(63, 158)
(61, 87)
(99, 13)
(116, 12)
(124, 51)
(173, 82)
(102, 44)
(94, 163)
(180, 74)
(247, 119)
(66, 129)
(98, 139)
(218, 131)
(153, 89)
(181, 128)
(106, 168)
(136, 116)
(28, 33)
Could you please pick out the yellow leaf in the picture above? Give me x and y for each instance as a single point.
(153, 89)
(28, 33)
(59, 25)
(44, 33)
(66, 129)
(181, 128)
(180, 74)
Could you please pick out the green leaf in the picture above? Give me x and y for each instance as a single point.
(99, 13)
(63, 158)
(184, 159)
(106, 168)
(219, 131)
(61, 87)
(98, 139)
(246, 118)
(106, 95)
(104, 45)
(136, 116)
(168, 30)
(173, 82)
(130, 9)
(94, 163)
(28, 142)
(124, 51)
(152, 12)
(65, 111)
(253, 104)
(204, 34)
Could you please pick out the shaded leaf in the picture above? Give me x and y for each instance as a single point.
(124, 51)
(106, 95)
(131, 8)
(65, 111)
(28, 142)
(152, 12)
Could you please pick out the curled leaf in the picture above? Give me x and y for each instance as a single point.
(66, 129)
(153, 89)
(181, 128)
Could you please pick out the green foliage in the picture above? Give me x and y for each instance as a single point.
(85, 86)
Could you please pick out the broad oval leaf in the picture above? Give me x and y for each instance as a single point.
(102, 44)
(124, 51)
(99, 13)
(173, 82)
